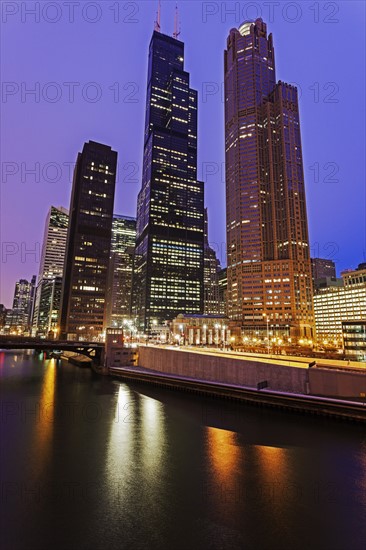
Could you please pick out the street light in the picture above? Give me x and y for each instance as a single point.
(267, 320)
(181, 328)
(217, 327)
(204, 336)
(232, 339)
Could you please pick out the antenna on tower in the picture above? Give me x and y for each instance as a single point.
(158, 15)
(176, 32)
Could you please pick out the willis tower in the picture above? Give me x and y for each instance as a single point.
(168, 266)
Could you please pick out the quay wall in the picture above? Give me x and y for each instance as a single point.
(225, 369)
(234, 370)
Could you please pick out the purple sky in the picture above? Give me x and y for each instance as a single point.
(319, 46)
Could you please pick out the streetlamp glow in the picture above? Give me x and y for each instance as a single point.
(267, 321)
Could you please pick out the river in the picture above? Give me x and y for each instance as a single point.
(92, 463)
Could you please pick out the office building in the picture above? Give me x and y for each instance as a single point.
(120, 272)
(222, 277)
(168, 265)
(48, 293)
(269, 272)
(322, 268)
(18, 319)
(3, 313)
(335, 304)
(54, 243)
(211, 276)
(354, 339)
(47, 308)
(83, 303)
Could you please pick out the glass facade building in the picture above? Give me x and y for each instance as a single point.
(269, 272)
(47, 307)
(211, 276)
(54, 243)
(222, 276)
(168, 264)
(83, 303)
(120, 272)
(48, 293)
(18, 319)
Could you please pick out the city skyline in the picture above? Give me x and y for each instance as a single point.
(345, 245)
(183, 274)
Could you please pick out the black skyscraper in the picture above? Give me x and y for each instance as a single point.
(168, 272)
(88, 242)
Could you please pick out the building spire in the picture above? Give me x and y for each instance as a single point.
(158, 16)
(176, 32)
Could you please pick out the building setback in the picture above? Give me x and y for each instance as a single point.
(168, 268)
(48, 293)
(121, 267)
(269, 273)
(88, 243)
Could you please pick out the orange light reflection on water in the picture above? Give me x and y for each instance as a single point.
(45, 416)
(224, 455)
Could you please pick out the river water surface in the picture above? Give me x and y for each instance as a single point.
(92, 463)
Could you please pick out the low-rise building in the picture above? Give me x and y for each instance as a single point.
(205, 330)
(354, 339)
(334, 304)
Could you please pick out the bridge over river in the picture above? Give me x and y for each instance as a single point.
(94, 350)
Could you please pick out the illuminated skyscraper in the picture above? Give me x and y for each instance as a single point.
(120, 272)
(211, 276)
(222, 276)
(168, 269)
(54, 243)
(48, 293)
(19, 318)
(88, 243)
(269, 272)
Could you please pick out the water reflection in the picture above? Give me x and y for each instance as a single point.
(120, 443)
(224, 458)
(153, 434)
(272, 463)
(152, 472)
(135, 443)
(45, 417)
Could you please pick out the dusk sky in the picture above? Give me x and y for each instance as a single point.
(322, 51)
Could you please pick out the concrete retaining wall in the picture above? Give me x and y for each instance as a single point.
(336, 383)
(232, 370)
(226, 369)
